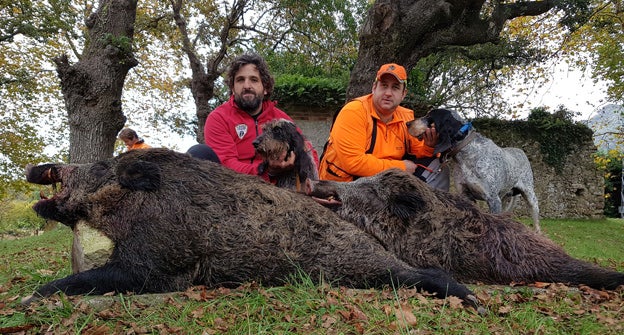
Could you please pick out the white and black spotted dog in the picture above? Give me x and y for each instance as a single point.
(483, 170)
(281, 135)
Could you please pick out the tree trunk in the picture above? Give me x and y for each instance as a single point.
(404, 31)
(202, 81)
(92, 90)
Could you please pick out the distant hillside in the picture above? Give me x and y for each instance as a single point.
(608, 127)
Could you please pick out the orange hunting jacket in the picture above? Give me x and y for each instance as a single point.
(350, 137)
(139, 145)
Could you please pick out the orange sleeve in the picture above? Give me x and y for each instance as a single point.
(419, 149)
(351, 138)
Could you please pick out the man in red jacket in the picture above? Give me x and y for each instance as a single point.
(231, 128)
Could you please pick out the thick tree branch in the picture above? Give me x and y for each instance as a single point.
(404, 31)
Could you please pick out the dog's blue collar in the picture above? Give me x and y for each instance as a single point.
(465, 128)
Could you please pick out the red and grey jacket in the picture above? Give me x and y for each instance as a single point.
(230, 131)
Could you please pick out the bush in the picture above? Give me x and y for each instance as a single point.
(16, 215)
(611, 164)
(309, 91)
(557, 134)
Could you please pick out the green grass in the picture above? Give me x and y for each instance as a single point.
(600, 240)
(302, 307)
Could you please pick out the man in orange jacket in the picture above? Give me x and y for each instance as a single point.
(370, 134)
(131, 139)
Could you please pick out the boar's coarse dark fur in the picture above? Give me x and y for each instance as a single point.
(176, 221)
(431, 228)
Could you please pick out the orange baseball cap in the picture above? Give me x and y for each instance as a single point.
(394, 69)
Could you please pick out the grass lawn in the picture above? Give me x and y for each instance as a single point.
(304, 308)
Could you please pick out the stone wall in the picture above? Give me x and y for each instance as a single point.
(576, 192)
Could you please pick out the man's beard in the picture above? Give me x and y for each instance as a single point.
(249, 106)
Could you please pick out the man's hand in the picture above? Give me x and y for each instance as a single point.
(431, 137)
(282, 164)
(410, 166)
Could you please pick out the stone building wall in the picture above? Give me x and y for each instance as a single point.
(576, 192)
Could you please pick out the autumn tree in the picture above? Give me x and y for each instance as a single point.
(28, 88)
(93, 85)
(603, 40)
(92, 89)
(406, 31)
(316, 29)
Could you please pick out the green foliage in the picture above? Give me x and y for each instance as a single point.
(601, 42)
(284, 63)
(575, 13)
(556, 133)
(19, 145)
(611, 164)
(18, 215)
(609, 63)
(309, 35)
(309, 91)
(29, 90)
(37, 19)
(123, 43)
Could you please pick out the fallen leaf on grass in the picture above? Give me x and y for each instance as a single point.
(99, 330)
(405, 317)
(455, 302)
(353, 314)
(328, 321)
(504, 310)
(540, 284)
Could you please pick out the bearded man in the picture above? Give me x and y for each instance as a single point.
(231, 128)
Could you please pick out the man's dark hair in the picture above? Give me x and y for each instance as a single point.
(252, 58)
(128, 134)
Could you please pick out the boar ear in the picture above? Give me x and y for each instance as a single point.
(139, 175)
(406, 206)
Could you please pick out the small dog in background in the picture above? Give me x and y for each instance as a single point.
(281, 135)
(484, 171)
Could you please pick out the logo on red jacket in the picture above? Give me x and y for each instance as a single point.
(241, 130)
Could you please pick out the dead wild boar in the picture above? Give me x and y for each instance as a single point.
(431, 228)
(176, 221)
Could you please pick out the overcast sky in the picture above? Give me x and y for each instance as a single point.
(571, 88)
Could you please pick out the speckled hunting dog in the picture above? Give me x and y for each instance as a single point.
(483, 170)
(282, 135)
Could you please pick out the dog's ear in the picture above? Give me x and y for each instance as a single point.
(444, 144)
(447, 126)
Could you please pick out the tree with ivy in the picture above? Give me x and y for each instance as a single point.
(92, 86)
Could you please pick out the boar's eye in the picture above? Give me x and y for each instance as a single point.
(99, 169)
